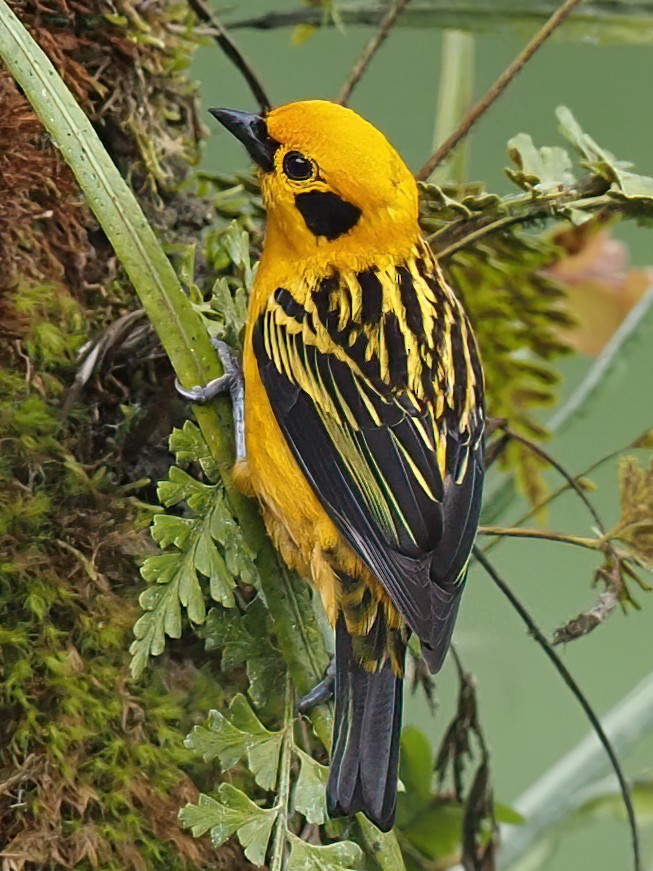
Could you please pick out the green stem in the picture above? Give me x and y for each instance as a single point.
(517, 532)
(283, 785)
(454, 99)
(599, 732)
(182, 334)
(578, 478)
(604, 22)
(449, 238)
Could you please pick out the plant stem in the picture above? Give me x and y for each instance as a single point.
(545, 534)
(231, 50)
(524, 518)
(563, 671)
(561, 789)
(283, 786)
(369, 51)
(604, 22)
(642, 313)
(497, 88)
(454, 98)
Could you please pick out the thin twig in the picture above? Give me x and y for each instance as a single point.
(566, 487)
(370, 50)
(229, 47)
(497, 89)
(571, 481)
(544, 534)
(578, 694)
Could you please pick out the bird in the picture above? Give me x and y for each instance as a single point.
(363, 418)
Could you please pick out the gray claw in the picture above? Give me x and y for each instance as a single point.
(209, 391)
(231, 381)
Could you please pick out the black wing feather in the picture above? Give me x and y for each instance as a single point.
(417, 543)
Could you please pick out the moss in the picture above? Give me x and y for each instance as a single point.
(93, 768)
(98, 766)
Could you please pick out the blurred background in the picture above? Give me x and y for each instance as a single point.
(531, 719)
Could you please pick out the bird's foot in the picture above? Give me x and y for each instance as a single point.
(231, 382)
(321, 692)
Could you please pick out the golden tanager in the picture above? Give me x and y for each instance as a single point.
(363, 418)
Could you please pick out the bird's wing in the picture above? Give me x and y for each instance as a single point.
(402, 485)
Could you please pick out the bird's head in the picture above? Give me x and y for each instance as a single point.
(332, 183)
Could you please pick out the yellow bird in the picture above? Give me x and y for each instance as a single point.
(363, 418)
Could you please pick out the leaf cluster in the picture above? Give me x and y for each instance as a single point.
(203, 542)
(280, 766)
(499, 259)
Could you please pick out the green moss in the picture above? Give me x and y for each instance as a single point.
(102, 763)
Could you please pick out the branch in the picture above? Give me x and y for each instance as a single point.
(497, 89)
(571, 481)
(231, 50)
(545, 534)
(604, 22)
(591, 197)
(634, 445)
(578, 694)
(370, 50)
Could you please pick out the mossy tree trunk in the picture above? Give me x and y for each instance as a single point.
(93, 768)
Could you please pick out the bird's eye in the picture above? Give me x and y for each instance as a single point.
(297, 167)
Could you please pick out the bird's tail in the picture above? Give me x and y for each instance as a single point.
(365, 754)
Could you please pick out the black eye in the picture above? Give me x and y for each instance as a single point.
(298, 167)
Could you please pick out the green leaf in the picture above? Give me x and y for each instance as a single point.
(229, 739)
(436, 832)
(245, 639)
(233, 813)
(179, 486)
(541, 170)
(236, 243)
(310, 790)
(219, 740)
(610, 803)
(416, 770)
(239, 556)
(342, 856)
(503, 813)
(626, 184)
(263, 746)
(195, 550)
(167, 529)
(189, 446)
(162, 617)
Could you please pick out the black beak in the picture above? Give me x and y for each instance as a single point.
(253, 133)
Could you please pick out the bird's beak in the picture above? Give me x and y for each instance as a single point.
(253, 133)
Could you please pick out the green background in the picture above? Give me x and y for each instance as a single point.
(529, 716)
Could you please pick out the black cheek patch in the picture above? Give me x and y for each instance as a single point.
(326, 214)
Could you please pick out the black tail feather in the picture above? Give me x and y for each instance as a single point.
(365, 754)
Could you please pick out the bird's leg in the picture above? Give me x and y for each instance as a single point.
(232, 382)
(321, 692)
